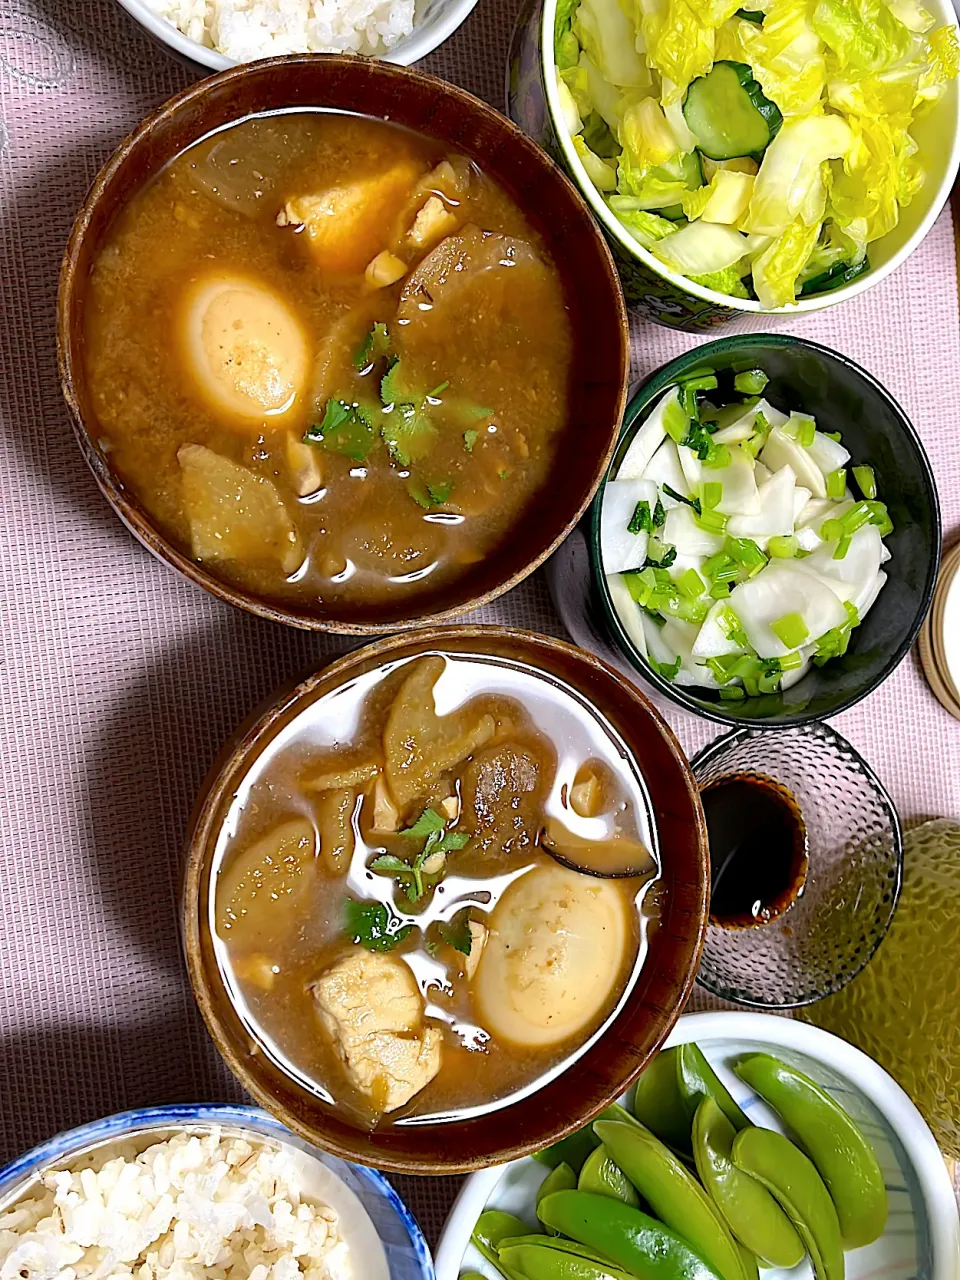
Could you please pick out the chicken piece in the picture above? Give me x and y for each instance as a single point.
(373, 1012)
(303, 463)
(234, 514)
(384, 270)
(348, 224)
(432, 223)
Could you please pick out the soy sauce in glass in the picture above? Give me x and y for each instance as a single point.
(758, 849)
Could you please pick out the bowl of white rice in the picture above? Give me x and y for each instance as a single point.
(221, 33)
(200, 1193)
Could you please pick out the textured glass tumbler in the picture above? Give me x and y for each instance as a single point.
(855, 864)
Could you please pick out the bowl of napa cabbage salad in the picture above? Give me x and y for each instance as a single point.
(742, 160)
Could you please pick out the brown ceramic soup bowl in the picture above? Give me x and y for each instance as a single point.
(547, 198)
(613, 1059)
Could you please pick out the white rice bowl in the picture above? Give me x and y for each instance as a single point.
(205, 1206)
(243, 30)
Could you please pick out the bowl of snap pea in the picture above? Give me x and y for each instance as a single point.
(749, 1141)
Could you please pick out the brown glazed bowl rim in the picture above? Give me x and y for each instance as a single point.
(72, 282)
(611, 1065)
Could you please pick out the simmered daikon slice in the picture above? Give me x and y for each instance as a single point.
(682, 636)
(781, 588)
(761, 473)
(745, 426)
(234, 514)
(829, 455)
(648, 438)
(665, 469)
(875, 590)
(801, 497)
(620, 548)
(712, 640)
(811, 518)
(782, 451)
(740, 494)
(775, 517)
(682, 531)
(853, 575)
(789, 678)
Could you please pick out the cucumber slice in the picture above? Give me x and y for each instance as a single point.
(728, 113)
(839, 274)
(687, 169)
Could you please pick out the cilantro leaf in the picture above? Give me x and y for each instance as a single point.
(375, 346)
(419, 494)
(390, 390)
(470, 439)
(409, 433)
(432, 395)
(440, 492)
(452, 841)
(457, 933)
(387, 862)
(428, 822)
(369, 924)
(345, 428)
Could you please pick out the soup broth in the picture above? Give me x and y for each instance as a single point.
(329, 358)
(385, 913)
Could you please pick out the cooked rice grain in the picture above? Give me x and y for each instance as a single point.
(191, 1208)
(248, 29)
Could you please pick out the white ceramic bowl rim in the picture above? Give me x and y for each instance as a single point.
(870, 1078)
(70, 1143)
(618, 232)
(420, 42)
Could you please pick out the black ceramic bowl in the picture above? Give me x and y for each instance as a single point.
(842, 397)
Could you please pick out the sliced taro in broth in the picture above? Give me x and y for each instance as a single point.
(329, 358)
(386, 913)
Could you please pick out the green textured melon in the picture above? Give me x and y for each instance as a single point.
(904, 1008)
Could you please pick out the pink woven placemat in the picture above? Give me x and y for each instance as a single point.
(118, 681)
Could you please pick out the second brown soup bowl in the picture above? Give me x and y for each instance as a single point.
(443, 112)
(613, 1060)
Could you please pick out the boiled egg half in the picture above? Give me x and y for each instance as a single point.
(247, 352)
(557, 948)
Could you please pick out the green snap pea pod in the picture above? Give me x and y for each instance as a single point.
(605, 1177)
(561, 1178)
(536, 1263)
(554, 1242)
(696, 1079)
(751, 1212)
(673, 1195)
(491, 1228)
(657, 1103)
(634, 1241)
(575, 1149)
(793, 1180)
(844, 1158)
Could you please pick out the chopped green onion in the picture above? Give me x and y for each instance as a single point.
(660, 554)
(760, 423)
(732, 693)
(719, 456)
(783, 547)
(831, 529)
(721, 567)
(791, 661)
(747, 554)
(731, 626)
(641, 584)
(807, 433)
(688, 399)
(880, 516)
(678, 497)
(710, 495)
(713, 521)
(752, 446)
(769, 682)
(837, 483)
(790, 630)
(842, 547)
(854, 519)
(720, 590)
(675, 421)
(659, 515)
(667, 669)
(704, 381)
(691, 585)
(835, 436)
(866, 481)
(751, 382)
(641, 521)
(699, 440)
